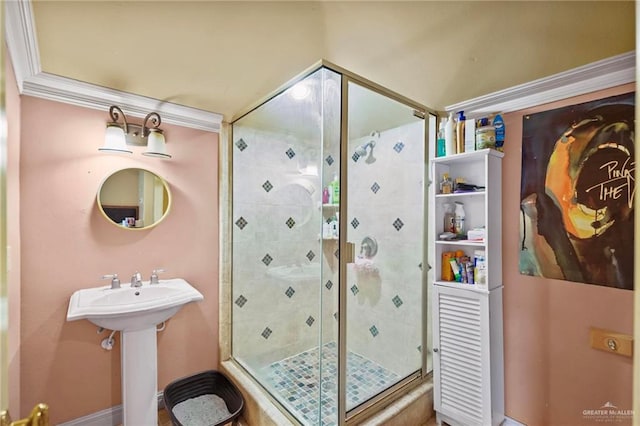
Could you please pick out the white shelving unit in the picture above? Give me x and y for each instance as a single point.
(467, 318)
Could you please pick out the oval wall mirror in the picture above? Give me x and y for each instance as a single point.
(134, 199)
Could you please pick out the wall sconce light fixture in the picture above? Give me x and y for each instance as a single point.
(118, 135)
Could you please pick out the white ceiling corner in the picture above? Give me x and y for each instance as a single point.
(23, 50)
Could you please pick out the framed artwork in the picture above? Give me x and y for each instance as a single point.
(577, 193)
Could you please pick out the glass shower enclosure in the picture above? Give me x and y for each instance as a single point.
(329, 244)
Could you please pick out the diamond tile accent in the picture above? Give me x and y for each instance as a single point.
(419, 348)
(290, 153)
(398, 224)
(241, 223)
(267, 259)
(354, 289)
(310, 321)
(266, 333)
(241, 300)
(355, 157)
(337, 254)
(311, 255)
(335, 316)
(241, 144)
(375, 187)
(290, 292)
(355, 223)
(328, 285)
(267, 186)
(397, 301)
(290, 222)
(374, 331)
(329, 160)
(420, 266)
(398, 147)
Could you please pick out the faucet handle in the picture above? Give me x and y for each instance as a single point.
(136, 280)
(154, 276)
(115, 281)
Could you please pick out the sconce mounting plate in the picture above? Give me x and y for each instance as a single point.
(134, 136)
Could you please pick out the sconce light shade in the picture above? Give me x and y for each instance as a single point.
(119, 135)
(114, 139)
(156, 146)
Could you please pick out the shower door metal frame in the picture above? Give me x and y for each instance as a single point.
(360, 412)
(357, 413)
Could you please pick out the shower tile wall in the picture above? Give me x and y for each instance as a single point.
(277, 223)
(276, 249)
(386, 203)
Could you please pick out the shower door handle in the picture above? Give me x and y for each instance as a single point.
(350, 255)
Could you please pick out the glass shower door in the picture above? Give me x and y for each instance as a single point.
(386, 222)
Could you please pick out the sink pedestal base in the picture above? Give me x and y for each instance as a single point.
(139, 353)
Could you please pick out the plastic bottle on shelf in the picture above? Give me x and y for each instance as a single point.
(498, 124)
(441, 142)
(460, 132)
(325, 195)
(459, 217)
(449, 142)
(448, 217)
(335, 190)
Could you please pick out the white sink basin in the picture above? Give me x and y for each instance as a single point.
(131, 308)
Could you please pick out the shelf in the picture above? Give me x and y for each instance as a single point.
(461, 286)
(461, 243)
(331, 206)
(461, 194)
(468, 156)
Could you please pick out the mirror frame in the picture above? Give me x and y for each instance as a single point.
(167, 189)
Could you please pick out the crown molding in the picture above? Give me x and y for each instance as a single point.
(23, 50)
(610, 72)
(62, 89)
(22, 43)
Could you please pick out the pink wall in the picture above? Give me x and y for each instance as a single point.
(68, 245)
(13, 234)
(551, 372)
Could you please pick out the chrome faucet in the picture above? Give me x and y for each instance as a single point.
(154, 276)
(136, 280)
(115, 281)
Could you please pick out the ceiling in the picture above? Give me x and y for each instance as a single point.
(224, 57)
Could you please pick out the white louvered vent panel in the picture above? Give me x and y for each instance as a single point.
(460, 355)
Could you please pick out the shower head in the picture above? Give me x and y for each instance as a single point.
(362, 149)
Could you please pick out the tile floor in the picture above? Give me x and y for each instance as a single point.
(294, 381)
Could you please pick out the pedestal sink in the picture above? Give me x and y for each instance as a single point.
(135, 312)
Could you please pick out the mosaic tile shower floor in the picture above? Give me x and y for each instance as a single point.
(294, 381)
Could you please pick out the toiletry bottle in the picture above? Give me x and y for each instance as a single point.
(498, 124)
(469, 135)
(449, 142)
(448, 217)
(446, 184)
(446, 270)
(440, 143)
(460, 132)
(459, 219)
(325, 195)
(485, 135)
(335, 190)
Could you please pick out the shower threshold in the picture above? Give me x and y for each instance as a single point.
(310, 393)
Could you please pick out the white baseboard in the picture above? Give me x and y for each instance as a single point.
(108, 417)
(510, 422)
